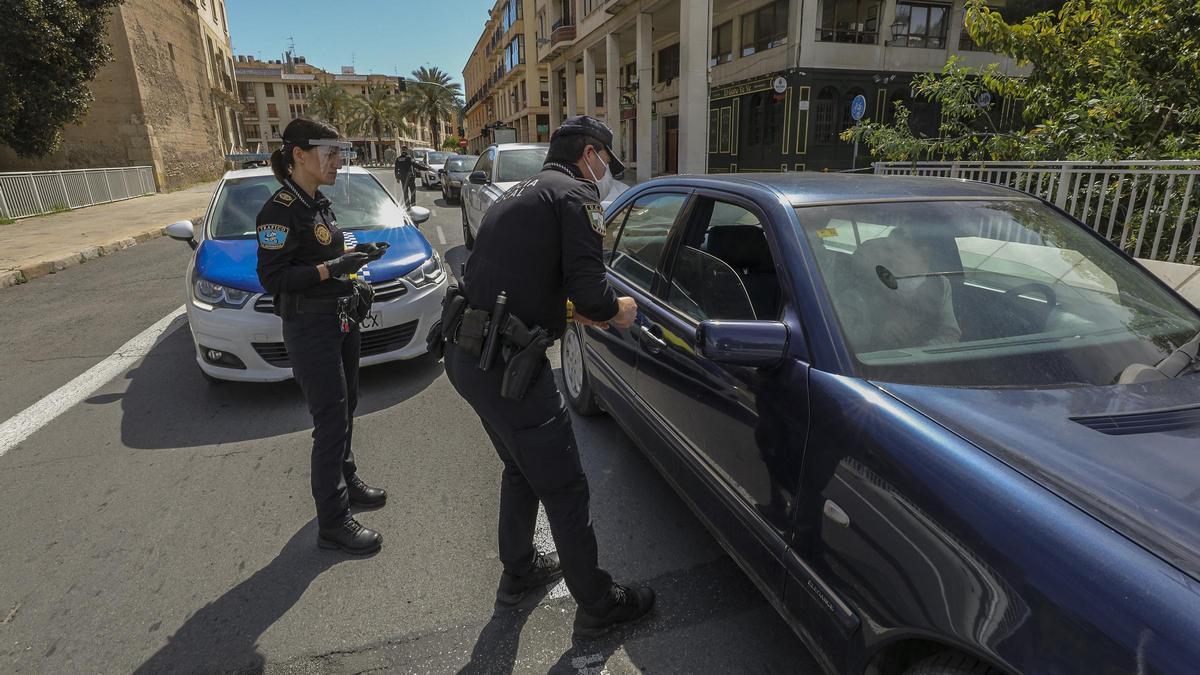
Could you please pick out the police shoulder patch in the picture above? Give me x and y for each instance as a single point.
(595, 214)
(284, 197)
(272, 237)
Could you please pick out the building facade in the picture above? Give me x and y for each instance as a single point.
(168, 99)
(744, 85)
(506, 88)
(277, 91)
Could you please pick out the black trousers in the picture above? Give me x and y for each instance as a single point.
(409, 185)
(325, 364)
(541, 463)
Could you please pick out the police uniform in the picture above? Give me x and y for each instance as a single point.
(406, 174)
(540, 244)
(296, 233)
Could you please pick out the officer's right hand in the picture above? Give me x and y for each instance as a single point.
(626, 313)
(347, 263)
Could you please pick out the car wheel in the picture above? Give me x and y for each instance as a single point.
(468, 240)
(574, 372)
(445, 197)
(951, 663)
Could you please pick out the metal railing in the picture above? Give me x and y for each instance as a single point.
(31, 193)
(1151, 209)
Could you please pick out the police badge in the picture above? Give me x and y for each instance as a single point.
(324, 236)
(596, 217)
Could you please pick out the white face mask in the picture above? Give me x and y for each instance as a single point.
(606, 184)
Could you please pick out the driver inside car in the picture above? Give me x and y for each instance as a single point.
(897, 299)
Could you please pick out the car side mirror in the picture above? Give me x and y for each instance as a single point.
(419, 214)
(758, 344)
(478, 178)
(182, 230)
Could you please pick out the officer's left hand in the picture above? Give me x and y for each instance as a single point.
(374, 249)
(584, 321)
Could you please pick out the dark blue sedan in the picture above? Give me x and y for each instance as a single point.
(944, 427)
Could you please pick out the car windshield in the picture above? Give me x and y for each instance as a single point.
(514, 166)
(462, 163)
(1005, 293)
(437, 158)
(359, 202)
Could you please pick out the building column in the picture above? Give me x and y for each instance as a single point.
(589, 80)
(572, 89)
(555, 97)
(612, 91)
(693, 87)
(645, 73)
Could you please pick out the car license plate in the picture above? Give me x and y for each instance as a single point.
(372, 320)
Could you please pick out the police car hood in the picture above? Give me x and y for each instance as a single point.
(234, 262)
(1129, 455)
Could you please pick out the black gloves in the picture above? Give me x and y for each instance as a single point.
(374, 250)
(347, 263)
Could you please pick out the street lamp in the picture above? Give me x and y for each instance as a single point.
(898, 28)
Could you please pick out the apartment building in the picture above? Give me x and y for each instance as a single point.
(277, 91)
(505, 86)
(168, 99)
(745, 85)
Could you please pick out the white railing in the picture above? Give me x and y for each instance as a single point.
(1150, 209)
(31, 193)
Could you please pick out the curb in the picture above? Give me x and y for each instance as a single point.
(41, 268)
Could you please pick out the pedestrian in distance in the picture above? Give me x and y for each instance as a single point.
(303, 262)
(407, 167)
(538, 246)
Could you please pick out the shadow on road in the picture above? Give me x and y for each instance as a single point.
(169, 404)
(222, 636)
(495, 650)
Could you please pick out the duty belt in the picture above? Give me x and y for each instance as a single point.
(331, 305)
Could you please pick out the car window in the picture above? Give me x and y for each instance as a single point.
(643, 237)
(988, 293)
(724, 270)
(437, 158)
(514, 166)
(461, 163)
(485, 162)
(359, 202)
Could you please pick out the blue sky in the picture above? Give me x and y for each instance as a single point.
(375, 36)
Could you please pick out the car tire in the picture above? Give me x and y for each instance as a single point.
(576, 383)
(468, 240)
(951, 663)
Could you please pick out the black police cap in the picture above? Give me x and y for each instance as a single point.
(586, 125)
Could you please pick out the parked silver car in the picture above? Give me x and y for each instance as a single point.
(499, 168)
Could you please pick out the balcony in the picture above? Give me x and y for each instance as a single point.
(561, 37)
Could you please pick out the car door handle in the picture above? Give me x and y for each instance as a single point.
(651, 338)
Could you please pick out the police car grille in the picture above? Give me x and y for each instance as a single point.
(373, 342)
(384, 291)
(388, 339)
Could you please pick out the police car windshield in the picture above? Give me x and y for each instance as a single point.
(1004, 293)
(513, 166)
(359, 203)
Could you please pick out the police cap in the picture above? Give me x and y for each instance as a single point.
(586, 125)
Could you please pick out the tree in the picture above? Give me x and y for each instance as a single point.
(434, 98)
(377, 112)
(49, 52)
(451, 143)
(330, 102)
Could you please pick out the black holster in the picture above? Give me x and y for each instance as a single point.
(524, 356)
(360, 306)
(454, 304)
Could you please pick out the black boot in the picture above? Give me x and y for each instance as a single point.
(545, 570)
(349, 536)
(628, 605)
(363, 495)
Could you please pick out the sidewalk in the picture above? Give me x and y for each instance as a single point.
(34, 247)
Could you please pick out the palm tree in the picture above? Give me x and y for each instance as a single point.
(434, 98)
(330, 102)
(378, 111)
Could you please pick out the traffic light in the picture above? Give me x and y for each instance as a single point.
(402, 86)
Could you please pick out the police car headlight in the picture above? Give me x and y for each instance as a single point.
(430, 272)
(216, 295)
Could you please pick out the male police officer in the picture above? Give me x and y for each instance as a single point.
(539, 245)
(406, 174)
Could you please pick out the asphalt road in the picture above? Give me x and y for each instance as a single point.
(164, 524)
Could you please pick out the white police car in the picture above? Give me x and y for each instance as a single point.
(236, 334)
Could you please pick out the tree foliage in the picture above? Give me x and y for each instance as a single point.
(49, 51)
(1109, 79)
(378, 111)
(435, 98)
(330, 102)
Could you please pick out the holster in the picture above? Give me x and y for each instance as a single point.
(285, 306)
(364, 295)
(446, 327)
(525, 356)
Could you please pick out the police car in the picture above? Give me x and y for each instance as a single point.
(238, 337)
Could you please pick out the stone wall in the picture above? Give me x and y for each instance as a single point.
(152, 102)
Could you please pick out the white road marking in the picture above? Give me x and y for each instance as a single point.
(544, 541)
(592, 664)
(441, 235)
(25, 423)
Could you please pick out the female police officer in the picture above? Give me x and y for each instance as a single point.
(302, 261)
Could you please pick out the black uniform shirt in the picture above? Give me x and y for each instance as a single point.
(542, 243)
(406, 165)
(295, 234)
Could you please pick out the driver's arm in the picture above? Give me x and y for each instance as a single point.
(947, 331)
